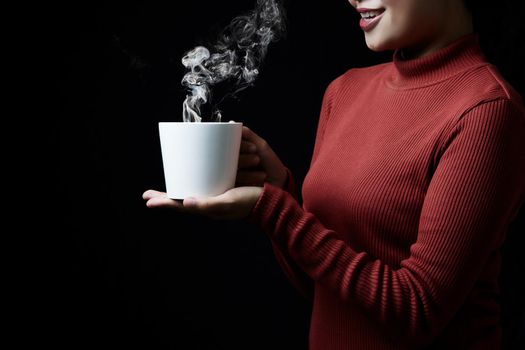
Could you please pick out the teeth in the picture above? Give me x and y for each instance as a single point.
(370, 14)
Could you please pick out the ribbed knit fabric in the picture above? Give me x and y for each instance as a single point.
(418, 168)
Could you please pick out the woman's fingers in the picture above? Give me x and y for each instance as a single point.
(156, 199)
(248, 147)
(249, 136)
(152, 193)
(268, 161)
(250, 178)
(248, 161)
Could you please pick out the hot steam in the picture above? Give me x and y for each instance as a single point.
(235, 57)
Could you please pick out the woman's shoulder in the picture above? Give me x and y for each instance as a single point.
(494, 85)
(484, 87)
(359, 75)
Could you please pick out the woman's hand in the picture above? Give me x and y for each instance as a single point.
(258, 163)
(236, 203)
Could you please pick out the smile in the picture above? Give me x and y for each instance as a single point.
(370, 18)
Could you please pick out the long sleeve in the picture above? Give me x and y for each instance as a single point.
(301, 281)
(477, 187)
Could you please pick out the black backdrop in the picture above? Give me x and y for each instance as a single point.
(124, 276)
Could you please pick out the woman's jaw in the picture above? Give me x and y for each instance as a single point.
(418, 27)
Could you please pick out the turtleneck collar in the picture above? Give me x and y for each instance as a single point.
(437, 66)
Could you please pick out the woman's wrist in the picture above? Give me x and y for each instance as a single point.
(283, 179)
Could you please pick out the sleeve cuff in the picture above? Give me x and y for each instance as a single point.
(275, 208)
(266, 202)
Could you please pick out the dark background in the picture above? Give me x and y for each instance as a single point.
(118, 275)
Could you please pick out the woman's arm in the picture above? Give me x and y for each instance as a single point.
(477, 188)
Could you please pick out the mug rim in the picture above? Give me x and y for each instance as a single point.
(200, 123)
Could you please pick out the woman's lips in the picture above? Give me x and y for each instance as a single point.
(369, 23)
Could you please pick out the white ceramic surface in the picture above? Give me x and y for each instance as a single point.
(199, 159)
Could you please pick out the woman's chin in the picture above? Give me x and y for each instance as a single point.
(377, 44)
(374, 46)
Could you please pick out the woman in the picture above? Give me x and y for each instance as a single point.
(418, 168)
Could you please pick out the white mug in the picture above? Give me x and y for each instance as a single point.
(199, 159)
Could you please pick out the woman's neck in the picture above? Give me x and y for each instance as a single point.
(457, 26)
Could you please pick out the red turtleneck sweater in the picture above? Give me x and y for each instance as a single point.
(418, 168)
